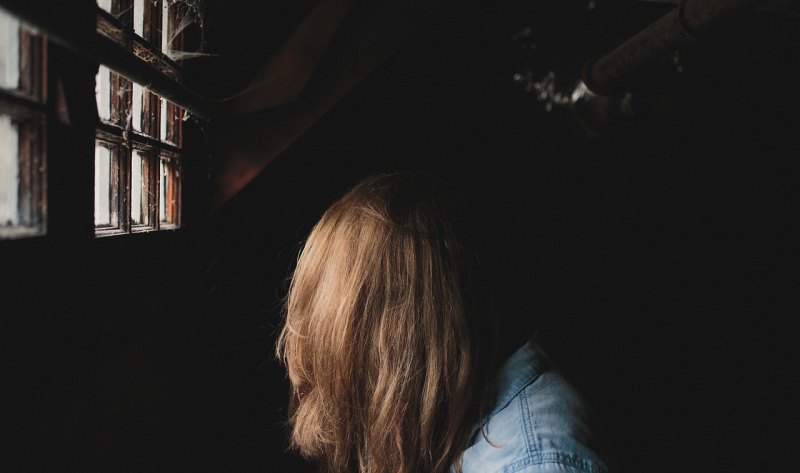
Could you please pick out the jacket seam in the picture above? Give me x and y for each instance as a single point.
(555, 458)
(529, 427)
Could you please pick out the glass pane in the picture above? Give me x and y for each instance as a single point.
(22, 178)
(140, 196)
(103, 187)
(121, 90)
(171, 121)
(165, 31)
(102, 91)
(138, 17)
(136, 107)
(9, 172)
(20, 57)
(145, 111)
(164, 119)
(105, 5)
(9, 51)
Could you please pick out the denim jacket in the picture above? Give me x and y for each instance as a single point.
(539, 423)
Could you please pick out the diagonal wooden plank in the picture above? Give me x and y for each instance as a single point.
(370, 33)
(281, 81)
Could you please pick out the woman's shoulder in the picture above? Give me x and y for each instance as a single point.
(539, 424)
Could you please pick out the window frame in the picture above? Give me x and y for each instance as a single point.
(148, 138)
(27, 106)
(79, 36)
(116, 146)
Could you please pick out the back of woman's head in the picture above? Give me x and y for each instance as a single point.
(379, 340)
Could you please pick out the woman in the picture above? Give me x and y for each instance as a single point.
(395, 358)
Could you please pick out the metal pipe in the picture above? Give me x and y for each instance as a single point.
(680, 26)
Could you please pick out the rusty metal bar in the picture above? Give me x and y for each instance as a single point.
(74, 25)
(680, 26)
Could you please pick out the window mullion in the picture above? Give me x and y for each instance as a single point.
(153, 188)
(126, 166)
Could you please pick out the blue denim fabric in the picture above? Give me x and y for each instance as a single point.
(539, 423)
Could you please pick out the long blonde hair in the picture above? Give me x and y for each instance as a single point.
(377, 340)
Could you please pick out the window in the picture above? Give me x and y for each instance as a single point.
(106, 178)
(23, 205)
(138, 140)
(138, 152)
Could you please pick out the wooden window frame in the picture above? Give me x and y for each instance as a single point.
(78, 36)
(148, 139)
(172, 206)
(27, 106)
(116, 146)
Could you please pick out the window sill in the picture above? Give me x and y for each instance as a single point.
(21, 232)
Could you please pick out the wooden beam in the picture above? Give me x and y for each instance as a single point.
(82, 27)
(371, 32)
(281, 81)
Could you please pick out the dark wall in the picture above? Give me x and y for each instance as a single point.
(652, 259)
(658, 261)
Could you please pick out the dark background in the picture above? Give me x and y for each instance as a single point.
(658, 260)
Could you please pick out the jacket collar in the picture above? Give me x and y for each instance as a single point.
(518, 371)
